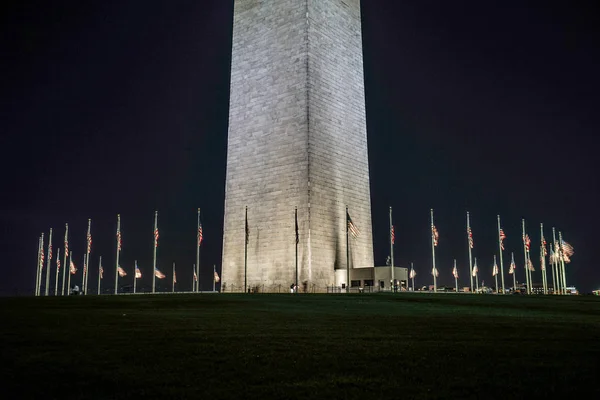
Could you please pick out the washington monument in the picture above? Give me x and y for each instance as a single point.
(297, 138)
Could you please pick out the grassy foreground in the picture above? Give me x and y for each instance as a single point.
(213, 346)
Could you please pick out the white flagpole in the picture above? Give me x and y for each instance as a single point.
(87, 257)
(135, 276)
(214, 279)
(392, 251)
(433, 254)
(173, 288)
(512, 261)
(476, 276)
(470, 250)
(66, 267)
(118, 254)
(193, 278)
(48, 264)
(37, 271)
(495, 273)
(455, 276)
(413, 276)
(155, 246)
(525, 253)
(57, 272)
(558, 285)
(69, 277)
(562, 262)
(197, 266)
(501, 260)
(543, 259)
(99, 273)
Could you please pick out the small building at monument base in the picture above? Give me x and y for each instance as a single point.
(373, 278)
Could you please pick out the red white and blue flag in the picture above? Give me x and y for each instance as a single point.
(159, 274)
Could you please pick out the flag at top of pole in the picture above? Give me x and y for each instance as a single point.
(527, 242)
(470, 233)
(121, 271)
(159, 274)
(502, 237)
(352, 228)
(156, 237)
(138, 273)
(200, 233)
(392, 235)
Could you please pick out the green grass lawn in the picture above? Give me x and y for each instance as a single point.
(212, 346)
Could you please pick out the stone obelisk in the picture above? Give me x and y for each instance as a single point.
(297, 138)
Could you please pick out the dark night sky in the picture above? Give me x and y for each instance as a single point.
(122, 107)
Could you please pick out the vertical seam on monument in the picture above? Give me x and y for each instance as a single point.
(308, 244)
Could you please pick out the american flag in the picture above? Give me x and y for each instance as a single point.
(174, 277)
(200, 234)
(567, 251)
(495, 270)
(159, 274)
(435, 272)
(475, 270)
(89, 242)
(101, 273)
(121, 271)
(412, 273)
(393, 234)
(512, 268)
(542, 263)
(119, 242)
(66, 247)
(544, 250)
(72, 268)
(217, 279)
(530, 265)
(435, 235)
(50, 252)
(527, 242)
(455, 272)
(470, 233)
(42, 257)
(351, 227)
(502, 237)
(57, 265)
(195, 277)
(138, 273)
(156, 237)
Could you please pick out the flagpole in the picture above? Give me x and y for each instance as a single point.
(392, 250)
(476, 275)
(37, 271)
(173, 289)
(66, 267)
(87, 257)
(526, 258)
(496, 273)
(433, 271)
(297, 239)
(57, 272)
(501, 260)
(49, 264)
(118, 254)
(455, 275)
(39, 282)
(512, 261)
(99, 273)
(543, 258)
(347, 255)
(69, 277)
(413, 276)
(194, 278)
(562, 262)
(135, 276)
(246, 254)
(558, 286)
(470, 250)
(155, 246)
(197, 266)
